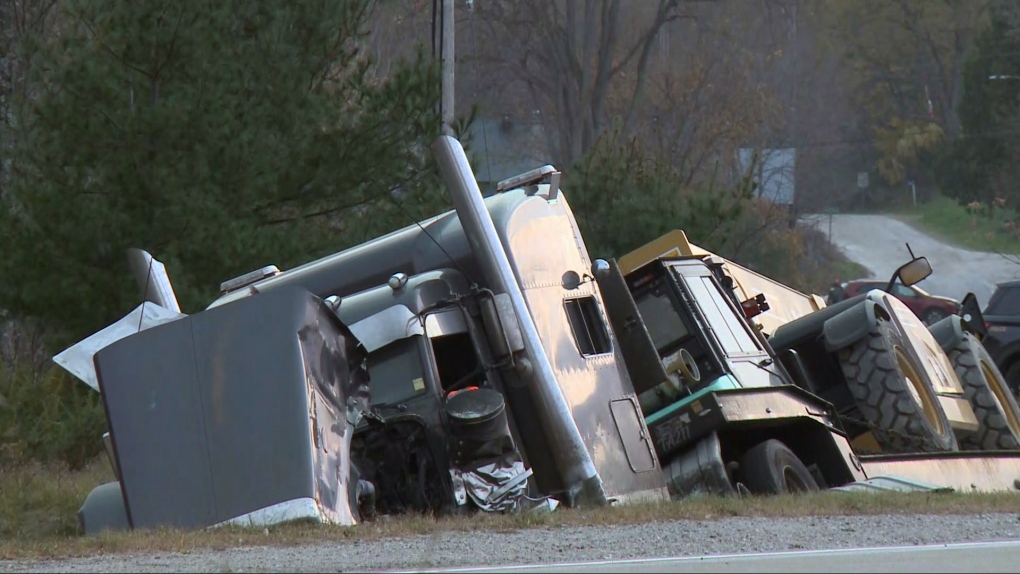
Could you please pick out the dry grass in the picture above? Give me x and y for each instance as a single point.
(38, 509)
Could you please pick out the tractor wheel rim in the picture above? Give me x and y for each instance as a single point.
(1001, 392)
(920, 392)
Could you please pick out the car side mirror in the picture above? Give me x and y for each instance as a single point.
(971, 317)
(913, 272)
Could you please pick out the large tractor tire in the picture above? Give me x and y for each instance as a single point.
(772, 468)
(1012, 375)
(894, 395)
(989, 395)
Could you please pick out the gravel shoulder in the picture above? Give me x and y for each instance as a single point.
(552, 545)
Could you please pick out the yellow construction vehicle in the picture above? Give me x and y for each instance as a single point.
(785, 302)
(932, 361)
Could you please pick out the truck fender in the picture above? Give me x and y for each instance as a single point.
(948, 332)
(852, 325)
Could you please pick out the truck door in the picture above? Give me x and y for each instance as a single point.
(723, 330)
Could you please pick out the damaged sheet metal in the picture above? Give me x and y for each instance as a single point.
(498, 486)
(238, 414)
(78, 358)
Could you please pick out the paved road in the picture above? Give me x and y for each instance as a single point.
(973, 557)
(879, 243)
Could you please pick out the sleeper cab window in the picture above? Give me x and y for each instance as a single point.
(587, 325)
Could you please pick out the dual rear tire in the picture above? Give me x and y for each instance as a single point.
(990, 396)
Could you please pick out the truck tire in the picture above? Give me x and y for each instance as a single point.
(772, 468)
(989, 395)
(894, 395)
(1012, 375)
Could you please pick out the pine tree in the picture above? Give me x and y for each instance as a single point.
(220, 136)
(980, 163)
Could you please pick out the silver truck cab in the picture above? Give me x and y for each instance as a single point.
(434, 263)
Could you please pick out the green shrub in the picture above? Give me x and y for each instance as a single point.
(48, 416)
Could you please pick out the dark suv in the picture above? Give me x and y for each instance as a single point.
(1002, 319)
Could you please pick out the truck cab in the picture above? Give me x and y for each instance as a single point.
(705, 377)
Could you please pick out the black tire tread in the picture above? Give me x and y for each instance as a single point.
(881, 393)
(759, 472)
(994, 432)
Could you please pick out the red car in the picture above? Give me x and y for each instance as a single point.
(930, 308)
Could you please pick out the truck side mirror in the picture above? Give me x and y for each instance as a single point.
(913, 272)
(971, 316)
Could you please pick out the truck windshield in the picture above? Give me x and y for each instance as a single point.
(660, 317)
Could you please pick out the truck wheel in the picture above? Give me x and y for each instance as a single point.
(772, 468)
(1013, 379)
(988, 394)
(894, 395)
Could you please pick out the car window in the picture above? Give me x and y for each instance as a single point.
(1006, 301)
(903, 291)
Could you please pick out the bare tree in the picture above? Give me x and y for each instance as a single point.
(584, 64)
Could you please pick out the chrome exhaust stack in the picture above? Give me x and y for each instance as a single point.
(573, 460)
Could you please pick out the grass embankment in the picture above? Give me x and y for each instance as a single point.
(994, 231)
(38, 507)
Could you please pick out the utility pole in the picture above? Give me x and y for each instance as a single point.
(449, 60)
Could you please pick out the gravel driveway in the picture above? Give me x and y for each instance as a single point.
(552, 545)
(879, 243)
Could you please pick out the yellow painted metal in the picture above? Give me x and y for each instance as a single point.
(967, 471)
(959, 412)
(785, 302)
(933, 357)
(919, 390)
(866, 442)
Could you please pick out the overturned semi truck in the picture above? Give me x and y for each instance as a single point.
(493, 379)
(477, 360)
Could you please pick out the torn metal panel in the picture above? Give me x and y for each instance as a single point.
(390, 324)
(498, 486)
(78, 358)
(235, 411)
